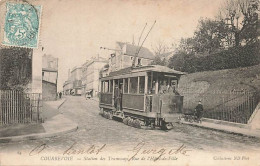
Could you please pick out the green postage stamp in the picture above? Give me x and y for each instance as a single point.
(21, 27)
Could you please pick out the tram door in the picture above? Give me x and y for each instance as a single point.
(118, 91)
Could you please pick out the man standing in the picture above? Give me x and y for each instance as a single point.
(199, 111)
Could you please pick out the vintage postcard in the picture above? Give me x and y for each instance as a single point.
(129, 82)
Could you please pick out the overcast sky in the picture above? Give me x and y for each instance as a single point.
(74, 30)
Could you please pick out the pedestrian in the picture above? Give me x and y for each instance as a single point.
(199, 111)
(60, 94)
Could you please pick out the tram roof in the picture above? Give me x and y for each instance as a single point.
(150, 68)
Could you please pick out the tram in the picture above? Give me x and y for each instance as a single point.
(142, 97)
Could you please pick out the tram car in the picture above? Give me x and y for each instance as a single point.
(142, 97)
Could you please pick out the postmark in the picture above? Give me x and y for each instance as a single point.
(21, 28)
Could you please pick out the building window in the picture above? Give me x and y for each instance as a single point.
(139, 62)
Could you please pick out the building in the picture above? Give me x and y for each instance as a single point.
(49, 77)
(91, 74)
(68, 85)
(124, 54)
(75, 77)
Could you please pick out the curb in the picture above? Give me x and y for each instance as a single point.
(62, 103)
(223, 130)
(36, 136)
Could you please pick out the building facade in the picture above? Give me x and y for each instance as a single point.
(124, 56)
(49, 77)
(67, 87)
(76, 74)
(91, 74)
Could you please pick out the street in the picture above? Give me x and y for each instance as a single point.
(96, 130)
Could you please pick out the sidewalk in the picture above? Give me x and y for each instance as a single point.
(229, 127)
(54, 124)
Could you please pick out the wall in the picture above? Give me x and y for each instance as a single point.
(49, 91)
(50, 76)
(37, 71)
(92, 81)
(49, 62)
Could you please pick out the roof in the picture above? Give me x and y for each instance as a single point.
(132, 50)
(154, 68)
(99, 59)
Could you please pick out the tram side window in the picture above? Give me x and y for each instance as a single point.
(141, 84)
(133, 85)
(105, 86)
(111, 86)
(126, 86)
(151, 85)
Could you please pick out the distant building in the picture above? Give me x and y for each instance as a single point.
(49, 77)
(76, 74)
(124, 56)
(91, 74)
(68, 85)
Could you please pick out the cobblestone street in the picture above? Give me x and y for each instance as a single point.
(94, 129)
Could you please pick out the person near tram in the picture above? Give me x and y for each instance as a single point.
(118, 98)
(199, 111)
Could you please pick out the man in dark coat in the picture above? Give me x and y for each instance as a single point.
(199, 111)
(116, 97)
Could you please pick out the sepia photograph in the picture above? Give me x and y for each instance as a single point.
(129, 82)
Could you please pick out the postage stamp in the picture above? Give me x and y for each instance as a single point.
(21, 26)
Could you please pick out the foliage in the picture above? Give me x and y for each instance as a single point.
(15, 68)
(209, 36)
(235, 57)
(158, 61)
(241, 18)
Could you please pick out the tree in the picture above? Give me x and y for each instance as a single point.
(160, 49)
(241, 18)
(209, 36)
(186, 45)
(158, 61)
(15, 68)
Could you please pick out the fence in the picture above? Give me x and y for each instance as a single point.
(232, 106)
(19, 107)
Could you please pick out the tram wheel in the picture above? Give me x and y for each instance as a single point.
(137, 123)
(125, 120)
(130, 122)
(110, 115)
(152, 126)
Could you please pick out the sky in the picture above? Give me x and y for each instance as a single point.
(74, 30)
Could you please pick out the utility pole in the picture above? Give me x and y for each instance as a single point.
(136, 54)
